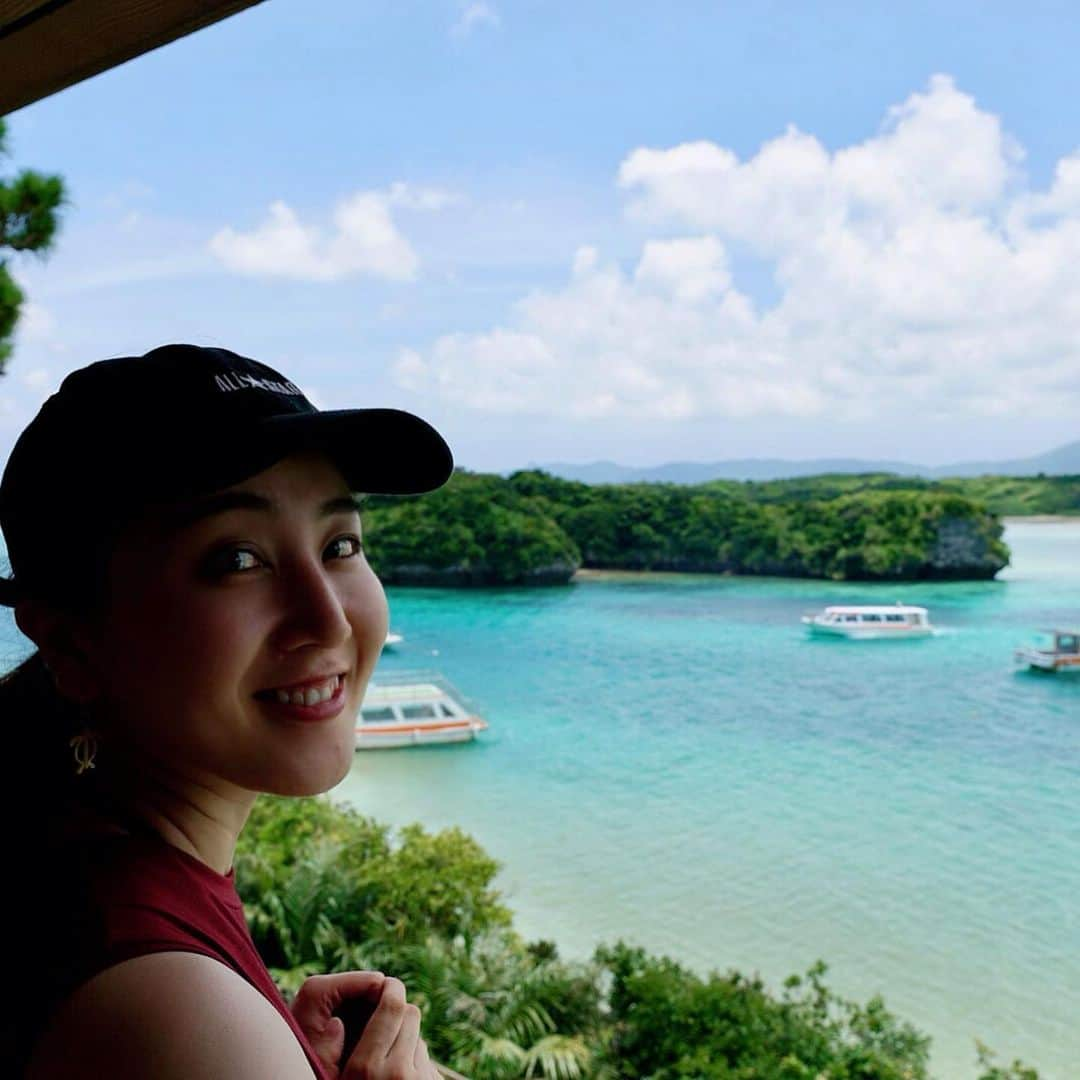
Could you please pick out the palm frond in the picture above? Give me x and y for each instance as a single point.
(526, 1021)
(500, 1050)
(558, 1057)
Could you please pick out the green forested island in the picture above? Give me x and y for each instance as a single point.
(534, 528)
(1005, 496)
(1021, 495)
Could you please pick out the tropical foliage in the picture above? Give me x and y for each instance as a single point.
(1020, 495)
(669, 1023)
(29, 204)
(327, 889)
(533, 527)
(478, 530)
(1004, 495)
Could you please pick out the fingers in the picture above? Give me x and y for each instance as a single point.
(391, 1046)
(422, 1064)
(330, 990)
(385, 1023)
(329, 1043)
(317, 1000)
(403, 1053)
(320, 995)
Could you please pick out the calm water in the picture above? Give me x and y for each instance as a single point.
(672, 761)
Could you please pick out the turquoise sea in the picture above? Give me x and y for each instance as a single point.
(671, 760)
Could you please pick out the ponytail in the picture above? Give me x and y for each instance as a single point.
(38, 724)
(43, 801)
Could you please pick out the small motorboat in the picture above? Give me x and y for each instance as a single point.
(393, 640)
(868, 621)
(1052, 650)
(414, 708)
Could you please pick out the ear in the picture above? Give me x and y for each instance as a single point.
(63, 642)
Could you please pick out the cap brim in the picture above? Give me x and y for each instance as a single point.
(380, 451)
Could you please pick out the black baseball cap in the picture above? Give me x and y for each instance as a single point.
(185, 420)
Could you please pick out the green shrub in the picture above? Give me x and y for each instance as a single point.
(327, 889)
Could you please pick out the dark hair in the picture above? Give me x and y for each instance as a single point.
(40, 725)
(45, 803)
(39, 721)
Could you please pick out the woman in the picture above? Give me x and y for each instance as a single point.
(185, 554)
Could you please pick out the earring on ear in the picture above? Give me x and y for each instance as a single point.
(84, 748)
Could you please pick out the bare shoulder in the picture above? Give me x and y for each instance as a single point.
(166, 1016)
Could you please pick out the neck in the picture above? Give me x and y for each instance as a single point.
(200, 819)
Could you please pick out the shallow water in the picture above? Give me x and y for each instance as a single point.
(673, 761)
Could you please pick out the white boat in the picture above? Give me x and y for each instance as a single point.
(414, 708)
(1054, 650)
(864, 622)
(392, 640)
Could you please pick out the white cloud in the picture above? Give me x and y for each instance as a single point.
(474, 15)
(691, 269)
(916, 274)
(591, 350)
(364, 239)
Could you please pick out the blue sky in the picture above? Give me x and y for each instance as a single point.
(641, 232)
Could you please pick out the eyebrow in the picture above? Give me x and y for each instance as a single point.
(224, 502)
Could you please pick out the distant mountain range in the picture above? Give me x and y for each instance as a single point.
(1064, 460)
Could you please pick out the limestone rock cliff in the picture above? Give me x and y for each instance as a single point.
(966, 547)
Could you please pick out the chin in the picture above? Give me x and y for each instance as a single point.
(302, 777)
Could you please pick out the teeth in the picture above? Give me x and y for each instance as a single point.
(313, 695)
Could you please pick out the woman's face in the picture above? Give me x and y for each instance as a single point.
(240, 633)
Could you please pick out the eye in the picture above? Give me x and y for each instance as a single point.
(343, 547)
(230, 560)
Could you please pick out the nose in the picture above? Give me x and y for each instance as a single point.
(312, 609)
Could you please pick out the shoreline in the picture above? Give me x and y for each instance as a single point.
(586, 574)
(594, 574)
(1041, 519)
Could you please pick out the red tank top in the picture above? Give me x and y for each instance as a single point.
(146, 896)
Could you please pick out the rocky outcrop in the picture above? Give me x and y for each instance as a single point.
(965, 547)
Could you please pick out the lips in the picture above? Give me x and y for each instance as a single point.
(310, 693)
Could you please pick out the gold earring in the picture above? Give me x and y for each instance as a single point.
(84, 747)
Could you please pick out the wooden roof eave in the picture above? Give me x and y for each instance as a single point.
(48, 45)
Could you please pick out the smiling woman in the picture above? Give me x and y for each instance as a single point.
(209, 641)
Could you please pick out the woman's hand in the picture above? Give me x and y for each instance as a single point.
(389, 1047)
(321, 997)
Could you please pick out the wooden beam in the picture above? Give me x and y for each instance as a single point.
(47, 45)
